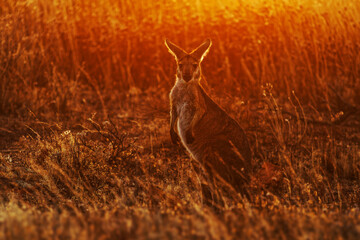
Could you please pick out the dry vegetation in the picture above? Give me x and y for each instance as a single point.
(84, 146)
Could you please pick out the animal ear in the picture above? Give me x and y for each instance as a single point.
(202, 50)
(175, 50)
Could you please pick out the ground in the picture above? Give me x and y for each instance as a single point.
(121, 177)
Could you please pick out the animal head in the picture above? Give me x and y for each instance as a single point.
(188, 64)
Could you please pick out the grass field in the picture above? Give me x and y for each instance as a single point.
(85, 151)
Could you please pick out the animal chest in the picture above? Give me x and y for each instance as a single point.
(184, 100)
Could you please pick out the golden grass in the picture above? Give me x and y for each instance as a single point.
(84, 145)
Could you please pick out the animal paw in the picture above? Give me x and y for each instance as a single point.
(189, 137)
(174, 137)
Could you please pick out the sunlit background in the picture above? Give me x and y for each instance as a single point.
(299, 45)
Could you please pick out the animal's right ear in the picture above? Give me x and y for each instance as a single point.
(175, 50)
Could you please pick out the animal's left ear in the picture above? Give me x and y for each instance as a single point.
(175, 50)
(202, 50)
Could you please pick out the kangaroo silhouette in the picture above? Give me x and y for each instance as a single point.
(208, 133)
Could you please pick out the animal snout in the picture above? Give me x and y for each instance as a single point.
(187, 77)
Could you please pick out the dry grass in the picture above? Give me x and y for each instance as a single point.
(84, 146)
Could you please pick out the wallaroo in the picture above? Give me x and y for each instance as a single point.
(209, 134)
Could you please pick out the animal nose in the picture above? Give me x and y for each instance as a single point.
(187, 77)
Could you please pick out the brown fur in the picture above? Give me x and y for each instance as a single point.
(208, 133)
